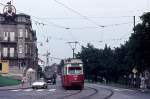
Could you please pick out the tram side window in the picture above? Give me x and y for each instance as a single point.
(75, 70)
(0, 66)
(65, 70)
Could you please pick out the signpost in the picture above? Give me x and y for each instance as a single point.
(134, 70)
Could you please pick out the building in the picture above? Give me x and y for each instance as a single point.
(41, 63)
(18, 48)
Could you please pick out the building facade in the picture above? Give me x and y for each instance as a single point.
(18, 48)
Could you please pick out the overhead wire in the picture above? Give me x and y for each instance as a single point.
(82, 17)
(76, 12)
(50, 23)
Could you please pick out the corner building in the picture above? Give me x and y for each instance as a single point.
(18, 49)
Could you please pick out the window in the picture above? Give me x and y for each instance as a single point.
(5, 36)
(12, 50)
(0, 66)
(20, 32)
(5, 51)
(30, 36)
(26, 48)
(74, 70)
(12, 36)
(26, 33)
(20, 50)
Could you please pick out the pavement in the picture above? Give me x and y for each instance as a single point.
(20, 86)
(126, 87)
(27, 85)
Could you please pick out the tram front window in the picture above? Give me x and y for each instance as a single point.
(74, 70)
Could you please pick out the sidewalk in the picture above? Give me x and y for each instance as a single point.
(124, 87)
(25, 86)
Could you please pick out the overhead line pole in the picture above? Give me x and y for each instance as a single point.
(73, 47)
(134, 23)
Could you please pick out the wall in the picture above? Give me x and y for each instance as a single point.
(5, 66)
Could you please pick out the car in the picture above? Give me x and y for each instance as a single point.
(39, 84)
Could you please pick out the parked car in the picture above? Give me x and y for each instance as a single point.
(39, 84)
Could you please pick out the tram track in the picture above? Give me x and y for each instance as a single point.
(111, 92)
(69, 95)
(94, 93)
(81, 94)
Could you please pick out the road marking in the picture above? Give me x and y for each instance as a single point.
(123, 90)
(15, 90)
(28, 90)
(52, 90)
(117, 89)
(40, 90)
(128, 90)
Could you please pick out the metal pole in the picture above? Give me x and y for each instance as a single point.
(134, 22)
(73, 52)
(73, 47)
(30, 78)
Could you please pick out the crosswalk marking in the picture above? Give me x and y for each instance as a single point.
(29, 90)
(51, 89)
(40, 90)
(16, 90)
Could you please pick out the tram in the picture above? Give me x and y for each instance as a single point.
(72, 74)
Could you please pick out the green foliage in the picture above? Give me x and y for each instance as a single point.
(6, 81)
(118, 63)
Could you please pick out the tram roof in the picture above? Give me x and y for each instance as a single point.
(69, 61)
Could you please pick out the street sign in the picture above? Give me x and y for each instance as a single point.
(134, 70)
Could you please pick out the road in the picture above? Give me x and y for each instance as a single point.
(91, 91)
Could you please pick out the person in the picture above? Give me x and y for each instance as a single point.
(54, 78)
(142, 86)
(23, 81)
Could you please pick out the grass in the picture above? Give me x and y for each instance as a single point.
(7, 81)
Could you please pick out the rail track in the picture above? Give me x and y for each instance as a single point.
(95, 91)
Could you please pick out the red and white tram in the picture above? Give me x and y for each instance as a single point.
(72, 74)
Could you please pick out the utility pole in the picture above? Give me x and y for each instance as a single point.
(73, 47)
(47, 53)
(134, 21)
(47, 58)
(133, 24)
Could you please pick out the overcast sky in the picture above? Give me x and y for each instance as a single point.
(84, 21)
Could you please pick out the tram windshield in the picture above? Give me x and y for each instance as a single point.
(74, 70)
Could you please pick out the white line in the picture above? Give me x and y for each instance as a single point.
(123, 90)
(15, 90)
(40, 90)
(28, 90)
(52, 90)
(117, 89)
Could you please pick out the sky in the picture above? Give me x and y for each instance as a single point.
(98, 22)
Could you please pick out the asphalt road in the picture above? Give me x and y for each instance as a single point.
(91, 91)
